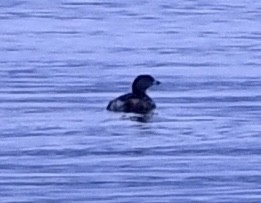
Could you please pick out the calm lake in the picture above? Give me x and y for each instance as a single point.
(61, 63)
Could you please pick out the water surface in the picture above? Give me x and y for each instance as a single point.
(62, 61)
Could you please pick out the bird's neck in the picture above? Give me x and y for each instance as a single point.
(139, 93)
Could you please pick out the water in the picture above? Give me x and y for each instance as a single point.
(62, 61)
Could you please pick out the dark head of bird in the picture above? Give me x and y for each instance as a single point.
(142, 83)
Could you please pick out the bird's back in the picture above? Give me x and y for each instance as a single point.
(132, 103)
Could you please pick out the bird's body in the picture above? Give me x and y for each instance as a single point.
(137, 101)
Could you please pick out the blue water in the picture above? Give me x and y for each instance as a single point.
(62, 61)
